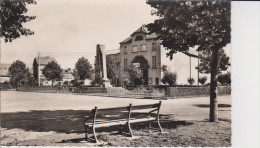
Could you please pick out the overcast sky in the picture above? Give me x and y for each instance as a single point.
(70, 29)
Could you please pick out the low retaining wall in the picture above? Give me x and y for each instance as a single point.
(195, 91)
(56, 89)
(44, 89)
(88, 90)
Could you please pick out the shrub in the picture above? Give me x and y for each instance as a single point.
(191, 81)
(202, 80)
(66, 82)
(224, 79)
(169, 78)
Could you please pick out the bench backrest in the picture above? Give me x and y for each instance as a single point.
(152, 108)
(123, 112)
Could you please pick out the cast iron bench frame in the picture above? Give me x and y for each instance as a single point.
(91, 126)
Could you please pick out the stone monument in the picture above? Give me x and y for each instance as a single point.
(100, 66)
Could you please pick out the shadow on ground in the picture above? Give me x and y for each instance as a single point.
(219, 105)
(138, 129)
(67, 121)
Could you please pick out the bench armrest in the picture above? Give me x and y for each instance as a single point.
(91, 117)
(153, 110)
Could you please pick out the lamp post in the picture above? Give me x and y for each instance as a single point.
(198, 68)
(190, 67)
(39, 80)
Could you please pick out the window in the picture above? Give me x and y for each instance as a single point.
(138, 38)
(154, 47)
(135, 49)
(125, 64)
(143, 47)
(153, 61)
(124, 50)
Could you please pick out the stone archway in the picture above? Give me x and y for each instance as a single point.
(144, 67)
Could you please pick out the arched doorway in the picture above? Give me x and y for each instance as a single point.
(143, 65)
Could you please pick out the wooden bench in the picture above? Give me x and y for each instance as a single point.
(123, 116)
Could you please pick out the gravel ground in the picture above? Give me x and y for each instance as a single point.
(56, 120)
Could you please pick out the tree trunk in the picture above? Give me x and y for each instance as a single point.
(51, 82)
(213, 116)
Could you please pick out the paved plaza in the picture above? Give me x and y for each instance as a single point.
(42, 114)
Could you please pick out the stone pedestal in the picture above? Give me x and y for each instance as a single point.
(100, 66)
(106, 82)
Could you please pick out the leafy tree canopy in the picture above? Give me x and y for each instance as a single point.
(190, 80)
(52, 71)
(202, 80)
(112, 70)
(224, 79)
(83, 69)
(19, 74)
(169, 78)
(134, 72)
(12, 18)
(206, 58)
(185, 24)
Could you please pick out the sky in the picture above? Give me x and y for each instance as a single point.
(70, 29)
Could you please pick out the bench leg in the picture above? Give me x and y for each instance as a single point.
(129, 128)
(159, 125)
(94, 134)
(149, 126)
(86, 133)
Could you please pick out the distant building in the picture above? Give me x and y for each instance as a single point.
(142, 50)
(4, 76)
(39, 67)
(67, 75)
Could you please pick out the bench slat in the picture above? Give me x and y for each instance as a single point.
(136, 120)
(103, 123)
(107, 124)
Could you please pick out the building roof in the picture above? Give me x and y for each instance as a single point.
(4, 69)
(45, 60)
(126, 40)
(141, 29)
(113, 51)
(66, 71)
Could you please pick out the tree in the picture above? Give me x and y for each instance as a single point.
(185, 24)
(202, 80)
(169, 78)
(112, 70)
(13, 17)
(205, 61)
(224, 79)
(19, 74)
(164, 68)
(83, 69)
(134, 73)
(52, 72)
(191, 81)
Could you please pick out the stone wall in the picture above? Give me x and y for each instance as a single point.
(177, 92)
